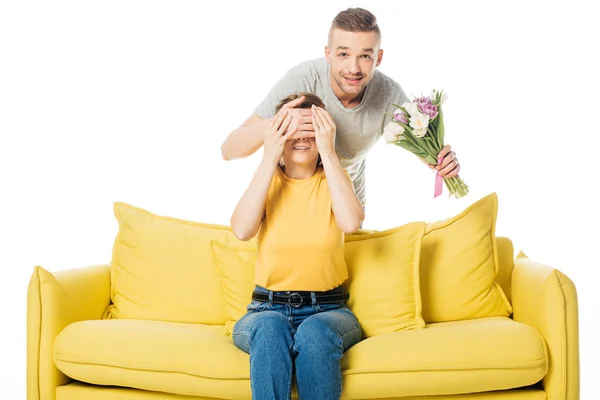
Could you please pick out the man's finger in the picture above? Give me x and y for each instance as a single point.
(449, 158)
(450, 171)
(308, 127)
(444, 151)
(305, 118)
(294, 103)
(446, 157)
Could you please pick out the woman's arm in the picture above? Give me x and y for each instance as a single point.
(249, 212)
(346, 206)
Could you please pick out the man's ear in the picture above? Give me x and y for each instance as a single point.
(379, 57)
(327, 53)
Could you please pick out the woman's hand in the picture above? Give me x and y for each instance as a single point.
(324, 131)
(277, 134)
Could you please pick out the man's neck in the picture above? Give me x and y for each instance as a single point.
(347, 100)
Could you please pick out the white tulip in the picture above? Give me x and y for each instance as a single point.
(411, 108)
(419, 122)
(393, 132)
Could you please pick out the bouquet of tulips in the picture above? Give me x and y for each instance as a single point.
(418, 126)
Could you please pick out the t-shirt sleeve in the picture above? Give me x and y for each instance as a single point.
(401, 97)
(294, 81)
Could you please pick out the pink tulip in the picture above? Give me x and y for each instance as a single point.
(400, 117)
(426, 107)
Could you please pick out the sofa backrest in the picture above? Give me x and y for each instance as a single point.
(162, 267)
(506, 264)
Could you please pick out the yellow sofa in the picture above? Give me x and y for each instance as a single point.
(106, 332)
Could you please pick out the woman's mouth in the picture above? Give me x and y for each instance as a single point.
(301, 148)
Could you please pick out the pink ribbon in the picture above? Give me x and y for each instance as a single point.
(439, 182)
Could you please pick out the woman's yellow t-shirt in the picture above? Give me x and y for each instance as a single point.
(300, 246)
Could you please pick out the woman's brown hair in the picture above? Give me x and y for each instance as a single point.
(309, 100)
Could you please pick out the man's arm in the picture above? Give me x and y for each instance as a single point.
(247, 139)
(449, 166)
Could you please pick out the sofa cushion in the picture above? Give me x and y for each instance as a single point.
(383, 279)
(193, 359)
(234, 267)
(162, 268)
(181, 358)
(459, 264)
(446, 358)
(383, 282)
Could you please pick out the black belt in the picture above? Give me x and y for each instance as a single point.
(296, 299)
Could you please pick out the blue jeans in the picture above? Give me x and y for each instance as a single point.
(310, 339)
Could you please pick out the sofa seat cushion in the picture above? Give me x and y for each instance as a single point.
(477, 355)
(192, 359)
(172, 357)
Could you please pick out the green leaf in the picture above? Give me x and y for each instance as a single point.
(430, 146)
(440, 128)
(430, 160)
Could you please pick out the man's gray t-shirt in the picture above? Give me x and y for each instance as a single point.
(358, 128)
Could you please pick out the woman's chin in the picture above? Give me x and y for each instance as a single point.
(304, 159)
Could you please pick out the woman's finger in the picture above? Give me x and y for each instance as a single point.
(289, 134)
(328, 118)
(323, 118)
(284, 124)
(277, 121)
(317, 120)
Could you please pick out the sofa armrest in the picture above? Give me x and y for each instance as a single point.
(53, 302)
(546, 299)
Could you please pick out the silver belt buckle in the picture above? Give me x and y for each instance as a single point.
(295, 304)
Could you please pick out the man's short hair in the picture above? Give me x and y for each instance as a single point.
(355, 20)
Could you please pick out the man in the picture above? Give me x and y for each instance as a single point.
(355, 94)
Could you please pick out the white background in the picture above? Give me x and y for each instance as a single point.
(130, 100)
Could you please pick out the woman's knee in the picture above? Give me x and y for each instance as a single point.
(267, 327)
(319, 335)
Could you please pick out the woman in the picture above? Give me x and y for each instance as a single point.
(300, 203)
